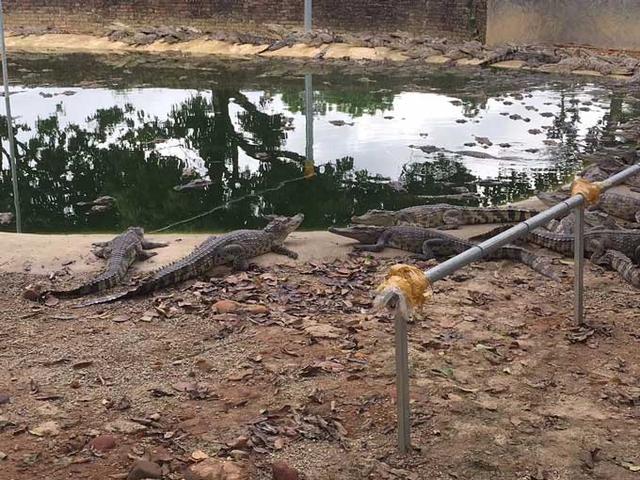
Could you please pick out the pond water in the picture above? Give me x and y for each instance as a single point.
(89, 127)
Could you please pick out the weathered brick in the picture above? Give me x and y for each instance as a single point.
(459, 19)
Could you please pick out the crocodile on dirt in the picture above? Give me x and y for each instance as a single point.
(120, 253)
(615, 203)
(429, 243)
(596, 242)
(443, 215)
(235, 248)
(622, 264)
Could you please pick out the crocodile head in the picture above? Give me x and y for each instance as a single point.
(365, 234)
(376, 217)
(139, 231)
(281, 227)
(552, 198)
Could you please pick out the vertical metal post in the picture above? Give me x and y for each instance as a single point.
(12, 144)
(578, 247)
(402, 382)
(308, 8)
(309, 110)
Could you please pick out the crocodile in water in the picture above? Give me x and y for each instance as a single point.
(120, 253)
(235, 247)
(443, 215)
(434, 243)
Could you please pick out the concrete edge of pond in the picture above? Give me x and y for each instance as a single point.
(83, 43)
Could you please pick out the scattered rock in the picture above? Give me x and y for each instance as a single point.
(199, 455)
(535, 131)
(218, 469)
(203, 364)
(33, 292)
(124, 426)
(46, 429)
(4, 398)
(229, 306)
(103, 443)
(239, 443)
(3, 456)
(321, 330)
(282, 471)
(144, 469)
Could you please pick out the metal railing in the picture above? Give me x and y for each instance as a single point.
(575, 202)
(12, 143)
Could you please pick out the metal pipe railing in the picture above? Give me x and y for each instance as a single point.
(576, 202)
(12, 142)
(524, 228)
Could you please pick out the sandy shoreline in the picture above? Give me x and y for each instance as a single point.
(44, 254)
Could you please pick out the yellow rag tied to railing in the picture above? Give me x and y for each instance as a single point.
(590, 191)
(408, 282)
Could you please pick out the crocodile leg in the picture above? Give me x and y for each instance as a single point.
(237, 255)
(149, 245)
(430, 248)
(380, 244)
(282, 250)
(598, 250)
(144, 255)
(452, 219)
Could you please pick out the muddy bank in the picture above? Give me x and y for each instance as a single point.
(327, 46)
(44, 254)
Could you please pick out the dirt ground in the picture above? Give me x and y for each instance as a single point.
(502, 386)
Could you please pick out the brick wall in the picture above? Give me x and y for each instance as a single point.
(459, 19)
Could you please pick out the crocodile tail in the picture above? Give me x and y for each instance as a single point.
(538, 263)
(98, 284)
(622, 264)
(558, 242)
(111, 298)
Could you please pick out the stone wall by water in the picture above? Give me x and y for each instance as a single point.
(459, 19)
(601, 23)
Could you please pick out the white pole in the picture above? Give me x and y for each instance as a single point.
(12, 144)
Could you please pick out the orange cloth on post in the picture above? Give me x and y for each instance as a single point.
(590, 191)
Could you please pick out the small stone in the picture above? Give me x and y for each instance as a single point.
(32, 292)
(3, 456)
(239, 454)
(46, 429)
(144, 469)
(203, 364)
(241, 442)
(103, 443)
(218, 469)
(225, 306)
(124, 426)
(256, 309)
(282, 471)
(199, 455)
(4, 398)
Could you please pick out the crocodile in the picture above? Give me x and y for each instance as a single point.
(596, 242)
(622, 264)
(235, 248)
(614, 203)
(443, 215)
(120, 253)
(429, 243)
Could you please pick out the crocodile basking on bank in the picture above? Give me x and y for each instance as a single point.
(234, 248)
(429, 243)
(596, 242)
(622, 264)
(120, 253)
(443, 215)
(617, 204)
